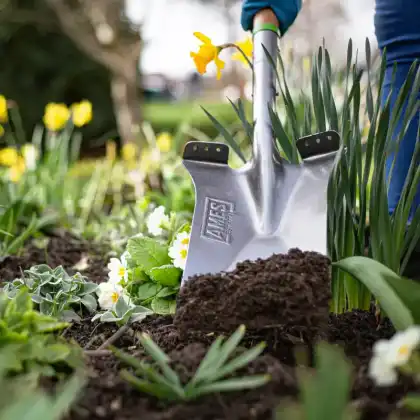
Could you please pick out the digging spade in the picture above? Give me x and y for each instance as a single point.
(269, 205)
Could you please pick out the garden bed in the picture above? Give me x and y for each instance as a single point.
(283, 301)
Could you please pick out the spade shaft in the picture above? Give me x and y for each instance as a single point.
(269, 205)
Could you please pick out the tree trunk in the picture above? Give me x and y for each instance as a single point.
(98, 29)
(127, 106)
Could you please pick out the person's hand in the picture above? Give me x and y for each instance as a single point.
(285, 11)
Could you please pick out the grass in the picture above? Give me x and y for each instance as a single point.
(164, 116)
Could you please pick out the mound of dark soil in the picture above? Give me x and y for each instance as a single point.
(282, 301)
(290, 292)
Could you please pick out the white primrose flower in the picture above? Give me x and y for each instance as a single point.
(109, 293)
(390, 354)
(179, 249)
(157, 221)
(117, 269)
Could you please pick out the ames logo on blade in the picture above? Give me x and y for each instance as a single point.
(217, 220)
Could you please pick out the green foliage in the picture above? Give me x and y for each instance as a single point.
(19, 220)
(154, 282)
(55, 291)
(161, 381)
(168, 116)
(123, 313)
(399, 297)
(325, 393)
(21, 399)
(55, 71)
(357, 189)
(31, 335)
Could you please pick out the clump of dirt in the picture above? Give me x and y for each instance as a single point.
(290, 292)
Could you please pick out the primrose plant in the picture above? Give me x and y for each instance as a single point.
(56, 292)
(398, 355)
(34, 339)
(146, 278)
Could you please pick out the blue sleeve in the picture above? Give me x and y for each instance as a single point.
(285, 10)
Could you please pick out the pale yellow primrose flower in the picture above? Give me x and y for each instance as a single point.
(117, 270)
(156, 221)
(108, 295)
(30, 154)
(393, 353)
(178, 251)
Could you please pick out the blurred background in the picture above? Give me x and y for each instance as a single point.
(130, 58)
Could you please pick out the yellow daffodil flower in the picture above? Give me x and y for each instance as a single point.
(8, 156)
(56, 116)
(3, 109)
(129, 152)
(150, 161)
(206, 54)
(247, 47)
(17, 170)
(111, 150)
(164, 142)
(81, 113)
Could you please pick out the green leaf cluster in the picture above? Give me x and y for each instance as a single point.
(32, 336)
(154, 280)
(19, 220)
(56, 292)
(325, 393)
(20, 398)
(213, 374)
(357, 190)
(397, 296)
(123, 313)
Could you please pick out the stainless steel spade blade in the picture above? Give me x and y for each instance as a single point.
(269, 205)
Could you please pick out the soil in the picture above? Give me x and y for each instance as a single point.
(282, 301)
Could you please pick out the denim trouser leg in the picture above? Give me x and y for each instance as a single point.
(406, 148)
(397, 25)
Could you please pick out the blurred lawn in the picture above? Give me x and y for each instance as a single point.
(164, 116)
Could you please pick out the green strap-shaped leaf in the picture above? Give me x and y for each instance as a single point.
(399, 297)
(226, 135)
(326, 394)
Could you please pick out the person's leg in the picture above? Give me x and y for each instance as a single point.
(397, 26)
(405, 153)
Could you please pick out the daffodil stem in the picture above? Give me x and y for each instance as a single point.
(230, 45)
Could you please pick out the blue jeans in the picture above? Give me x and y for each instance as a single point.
(397, 27)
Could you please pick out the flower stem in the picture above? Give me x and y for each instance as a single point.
(230, 45)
